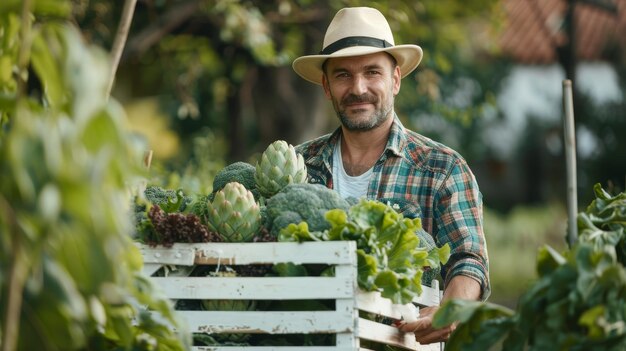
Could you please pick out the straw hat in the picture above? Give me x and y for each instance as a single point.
(356, 31)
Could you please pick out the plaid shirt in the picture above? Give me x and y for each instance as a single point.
(427, 180)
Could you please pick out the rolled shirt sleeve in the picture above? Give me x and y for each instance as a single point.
(458, 218)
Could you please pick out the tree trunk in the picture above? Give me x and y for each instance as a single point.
(288, 107)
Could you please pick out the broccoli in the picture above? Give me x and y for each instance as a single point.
(199, 207)
(169, 200)
(302, 202)
(241, 172)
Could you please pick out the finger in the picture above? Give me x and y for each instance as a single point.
(411, 327)
(432, 337)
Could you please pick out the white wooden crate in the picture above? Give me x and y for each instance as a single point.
(343, 322)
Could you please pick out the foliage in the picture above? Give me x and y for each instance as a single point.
(604, 222)
(225, 64)
(389, 255)
(70, 276)
(577, 303)
(169, 200)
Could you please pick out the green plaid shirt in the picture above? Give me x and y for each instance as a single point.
(427, 180)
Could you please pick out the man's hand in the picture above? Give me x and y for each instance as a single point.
(423, 327)
(459, 287)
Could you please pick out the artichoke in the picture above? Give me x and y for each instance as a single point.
(280, 166)
(234, 214)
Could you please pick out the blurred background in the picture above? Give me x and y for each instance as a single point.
(209, 82)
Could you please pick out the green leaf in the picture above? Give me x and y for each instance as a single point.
(590, 319)
(41, 7)
(547, 260)
(101, 131)
(444, 253)
(336, 217)
(54, 311)
(296, 232)
(46, 49)
(481, 325)
(7, 103)
(367, 270)
(400, 255)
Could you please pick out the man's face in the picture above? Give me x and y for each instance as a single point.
(362, 89)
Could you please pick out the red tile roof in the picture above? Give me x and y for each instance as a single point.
(534, 30)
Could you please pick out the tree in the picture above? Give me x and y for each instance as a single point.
(70, 275)
(226, 64)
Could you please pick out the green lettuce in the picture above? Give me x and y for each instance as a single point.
(390, 259)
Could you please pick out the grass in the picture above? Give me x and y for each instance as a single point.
(513, 240)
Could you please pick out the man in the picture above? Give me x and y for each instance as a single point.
(373, 155)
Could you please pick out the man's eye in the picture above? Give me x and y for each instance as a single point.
(373, 73)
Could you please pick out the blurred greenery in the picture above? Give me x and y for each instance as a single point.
(513, 241)
(576, 303)
(70, 274)
(226, 64)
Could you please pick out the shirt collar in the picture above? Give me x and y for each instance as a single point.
(396, 142)
(324, 155)
(397, 138)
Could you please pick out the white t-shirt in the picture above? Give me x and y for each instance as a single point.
(346, 185)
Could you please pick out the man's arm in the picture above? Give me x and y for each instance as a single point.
(459, 287)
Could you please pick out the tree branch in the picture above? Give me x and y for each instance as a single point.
(120, 40)
(18, 273)
(168, 22)
(24, 51)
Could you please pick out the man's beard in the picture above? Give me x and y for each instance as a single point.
(379, 115)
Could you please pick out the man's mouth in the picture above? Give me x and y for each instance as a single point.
(358, 104)
(353, 101)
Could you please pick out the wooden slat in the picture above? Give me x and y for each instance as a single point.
(298, 348)
(429, 297)
(327, 252)
(269, 322)
(374, 303)
(272, 348)
(175, 255)
(385, 334)
(348, 306)
(431, 347)
(257, 288)
(151, 268)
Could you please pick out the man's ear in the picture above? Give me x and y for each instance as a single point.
(326, 86)
(397, 79)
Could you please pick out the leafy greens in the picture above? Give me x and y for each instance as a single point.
(389, 256)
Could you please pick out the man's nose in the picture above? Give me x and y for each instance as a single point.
(359, 85)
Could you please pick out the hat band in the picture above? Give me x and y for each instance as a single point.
(355, 41)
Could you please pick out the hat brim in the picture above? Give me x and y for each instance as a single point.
(309, 67)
